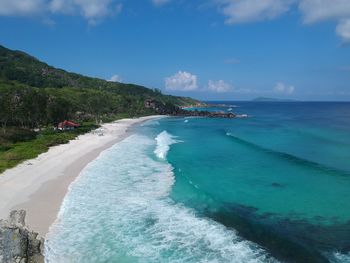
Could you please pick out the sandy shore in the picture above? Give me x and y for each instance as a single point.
(39, 185)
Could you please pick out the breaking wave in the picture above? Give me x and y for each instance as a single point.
(119, 210)
(164, 140)
(338, 257)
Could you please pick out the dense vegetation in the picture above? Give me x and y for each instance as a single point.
(35, 97)
(34, 94)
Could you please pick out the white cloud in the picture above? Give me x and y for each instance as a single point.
(115, 78)
(182, 80)
(243, 11)
(20, 7)
(283, 88)
(61, 6)
(219, 86)
(160, 2)
(92, 10)
(320, 10)
(313, 11)
(343, 30)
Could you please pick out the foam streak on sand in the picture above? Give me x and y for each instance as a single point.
(39, 185)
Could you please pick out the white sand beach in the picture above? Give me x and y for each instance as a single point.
(39, 185)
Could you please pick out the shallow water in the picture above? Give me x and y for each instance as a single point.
(272, 187)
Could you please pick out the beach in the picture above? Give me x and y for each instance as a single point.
(39, 185)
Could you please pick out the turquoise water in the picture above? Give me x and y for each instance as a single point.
(272, 187)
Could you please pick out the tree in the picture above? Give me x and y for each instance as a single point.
(157, 91)
(98, 104)
(58, 110)
(33, 107)
(5, 112)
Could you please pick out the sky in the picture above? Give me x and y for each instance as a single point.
(209, 49)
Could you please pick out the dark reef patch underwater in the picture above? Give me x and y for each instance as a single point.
(287, 240)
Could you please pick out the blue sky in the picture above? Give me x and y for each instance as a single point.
(210, 49)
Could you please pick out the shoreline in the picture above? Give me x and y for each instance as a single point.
(39, 185)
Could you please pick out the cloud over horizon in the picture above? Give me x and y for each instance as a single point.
(181, 81)
(115, 78)
(283, 88)
(219, 86)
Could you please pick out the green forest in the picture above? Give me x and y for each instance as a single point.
(35, 97)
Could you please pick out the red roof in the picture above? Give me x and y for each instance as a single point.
(68, 124)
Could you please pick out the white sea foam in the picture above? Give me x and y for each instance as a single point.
(119, 210)
(338, 257)
(151, 123)
(230, 134)
(164, 140)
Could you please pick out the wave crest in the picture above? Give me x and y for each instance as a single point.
(164, 140)
(289, 157)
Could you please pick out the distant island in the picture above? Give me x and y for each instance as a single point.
(266, 99)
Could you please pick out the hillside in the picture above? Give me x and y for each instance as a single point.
(46, 87)
(17, 66)
(36, 97)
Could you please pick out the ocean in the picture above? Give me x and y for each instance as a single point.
(273, 187)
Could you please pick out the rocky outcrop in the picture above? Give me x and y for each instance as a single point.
(17, 243)
(208, 114)
(172, 110)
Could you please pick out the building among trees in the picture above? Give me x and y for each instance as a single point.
(67, 125)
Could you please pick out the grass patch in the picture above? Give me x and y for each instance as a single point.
(18, 145)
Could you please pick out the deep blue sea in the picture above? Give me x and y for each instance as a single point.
(273, 187)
